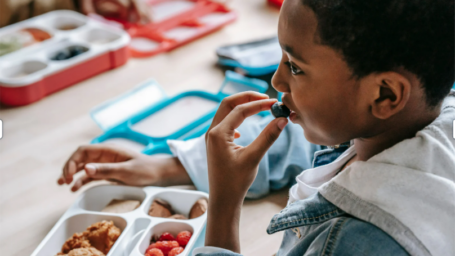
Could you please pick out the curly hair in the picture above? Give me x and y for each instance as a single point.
(384, 35)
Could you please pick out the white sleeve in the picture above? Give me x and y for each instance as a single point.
(193, 156)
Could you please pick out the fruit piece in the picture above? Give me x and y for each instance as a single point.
(38, 34)
(77, 50)
(175, 251)
(280, 110)
(121, 206)
(154, 252)
(178, 217)
(160, 208)
(164, 246)
(166, 237)
(199, 208)
(183, 238)
(62, 55)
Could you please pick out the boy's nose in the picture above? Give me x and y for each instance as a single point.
(279, 81)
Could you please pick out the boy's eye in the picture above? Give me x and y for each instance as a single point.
(294, 70)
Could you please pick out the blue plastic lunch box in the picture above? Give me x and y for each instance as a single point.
(116, 117)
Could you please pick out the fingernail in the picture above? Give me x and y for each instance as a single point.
(282, 123)
(91, 169)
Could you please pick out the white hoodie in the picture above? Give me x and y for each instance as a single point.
(407, 190)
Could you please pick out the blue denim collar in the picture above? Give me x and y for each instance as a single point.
(328, 155)
(313, 210)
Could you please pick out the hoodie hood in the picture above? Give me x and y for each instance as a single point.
(407, 190)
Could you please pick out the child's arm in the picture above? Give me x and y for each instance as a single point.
(233, 168)
(286, 158)
(109, 162)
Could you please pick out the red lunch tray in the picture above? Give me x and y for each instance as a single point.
(175, 23)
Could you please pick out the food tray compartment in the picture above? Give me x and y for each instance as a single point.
(68, 52)
(23, 69)
(95, 199)
(23, 37)
(181, 201)
(174, 117)
(144, 43)
(40, 69)
(67, 23)
(100, 36)
(75, 224)
(131, 237)
(163, 10)
(173, 227)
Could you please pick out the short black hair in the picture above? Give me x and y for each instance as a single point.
(383, 35)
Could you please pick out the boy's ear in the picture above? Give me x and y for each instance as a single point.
(392, 92)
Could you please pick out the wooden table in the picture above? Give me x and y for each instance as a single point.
(39, 138)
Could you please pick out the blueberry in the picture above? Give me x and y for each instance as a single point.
(62, 55)
(76, 50)
(280, 110)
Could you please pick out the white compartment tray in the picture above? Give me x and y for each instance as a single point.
(137, 226)
(32, 63)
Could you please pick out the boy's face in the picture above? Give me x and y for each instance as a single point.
(317, 83)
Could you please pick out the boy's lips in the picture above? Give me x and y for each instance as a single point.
(293, 116)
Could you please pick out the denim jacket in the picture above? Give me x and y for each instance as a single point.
(315, 226)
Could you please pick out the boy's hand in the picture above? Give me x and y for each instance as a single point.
(131, 10)
(109, 162)
(233, 168)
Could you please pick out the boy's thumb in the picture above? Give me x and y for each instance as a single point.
(267, 137)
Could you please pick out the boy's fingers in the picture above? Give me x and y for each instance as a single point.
(96, 171)
(71, 164)
(234, 119)
(229, 103)
(268, 136)
(81, 182)
(105, 170)
(76, 160)
(90, 153)
(72, 169)
(88, 6)
(60, 180)
(142, 10)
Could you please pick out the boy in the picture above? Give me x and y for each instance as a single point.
(372, 72)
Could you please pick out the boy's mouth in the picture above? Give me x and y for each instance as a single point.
(293, 116)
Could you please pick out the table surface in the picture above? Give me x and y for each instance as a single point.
(38, 138)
